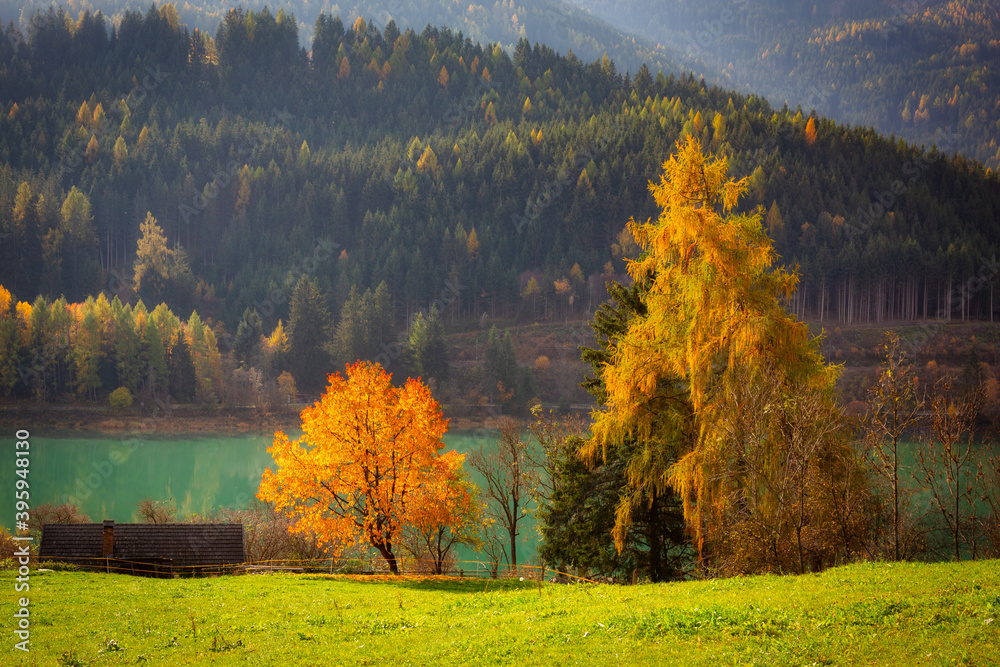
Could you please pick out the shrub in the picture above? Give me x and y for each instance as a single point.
(120, 399)
(286, 386)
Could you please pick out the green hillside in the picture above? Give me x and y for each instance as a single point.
(877, 614)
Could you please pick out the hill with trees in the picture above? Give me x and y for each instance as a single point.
(908, 68)
(480, 184)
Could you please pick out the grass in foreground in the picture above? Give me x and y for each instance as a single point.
(892, 614)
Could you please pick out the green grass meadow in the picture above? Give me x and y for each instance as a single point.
(867, 614)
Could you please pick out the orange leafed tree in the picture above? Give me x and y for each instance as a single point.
(447, 514)
(368, 456)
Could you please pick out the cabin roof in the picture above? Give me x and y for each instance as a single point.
(181, 543)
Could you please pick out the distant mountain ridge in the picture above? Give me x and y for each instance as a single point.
(909, 68)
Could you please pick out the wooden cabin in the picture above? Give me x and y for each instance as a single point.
(146, 549)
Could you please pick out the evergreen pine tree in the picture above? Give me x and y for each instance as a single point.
(309, 327)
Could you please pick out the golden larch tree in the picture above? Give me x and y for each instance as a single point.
(714, 317)
(811, 132)
(91, 151)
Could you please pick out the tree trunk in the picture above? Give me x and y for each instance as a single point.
(390, 558)
(895, 498)
(513, 550)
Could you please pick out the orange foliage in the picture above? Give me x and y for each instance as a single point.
(811, 132)
(367, 461)
(445, 514)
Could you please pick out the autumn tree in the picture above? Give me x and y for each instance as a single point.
(428, 162)
(161, 273)
(50, 513)
(91, 150)
(447, 514)
(365, 464)
(713, 319)
(86, 353)
(811, 131)
(10, 342)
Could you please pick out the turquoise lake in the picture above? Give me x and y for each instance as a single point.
(107, 475)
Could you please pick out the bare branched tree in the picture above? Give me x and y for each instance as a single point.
(508, 471)
(156, 511)
(893, 410)
(554, 436)
(266, 533)
(989, 473)
(947, 461)
(784, 461)
(52, 513)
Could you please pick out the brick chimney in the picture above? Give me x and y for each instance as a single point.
(109, 538)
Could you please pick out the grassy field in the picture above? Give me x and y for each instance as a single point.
(902, 614)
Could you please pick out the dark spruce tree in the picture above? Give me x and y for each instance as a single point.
(182, 374)
(309, 329)
(246, 343)
(577, 526)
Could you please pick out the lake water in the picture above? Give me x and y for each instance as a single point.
(107, 475)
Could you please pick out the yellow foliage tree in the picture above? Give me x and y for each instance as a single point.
(714, 318)
(99, 117)
(472, 244)
(152, 256)
(91, 152)
(120, 152)
(443, 77)
(143, 139)
(428, 162)
(84, 114)
(366, 463)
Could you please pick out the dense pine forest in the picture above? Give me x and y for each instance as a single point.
(907, 68)
(212, 172)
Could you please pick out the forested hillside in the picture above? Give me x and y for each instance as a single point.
(437, 165)
(908, 68)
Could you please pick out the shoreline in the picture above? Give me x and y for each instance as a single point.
(178, 420)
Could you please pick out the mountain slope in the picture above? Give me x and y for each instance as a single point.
(441, 167)
(910, 69)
